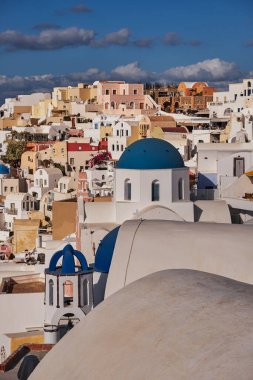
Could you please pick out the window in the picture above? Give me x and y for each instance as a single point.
(117, 147)
(5, 188)
(40, 172)
(135, 92)
(122, 148)
(45, 182)
(11, 189)
(107, 92)
(85, 293)
(51, 292)
(127, 190)
(67, 292)
(155, 191)
(114, 92)
(239, 166)
(113, 147)
(126, 133)
(72, 161)
(181, 189)
(117, 132)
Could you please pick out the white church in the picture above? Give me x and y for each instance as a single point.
(151, 182)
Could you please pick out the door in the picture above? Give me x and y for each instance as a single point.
(239, 166)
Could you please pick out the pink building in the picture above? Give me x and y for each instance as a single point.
(119, 98)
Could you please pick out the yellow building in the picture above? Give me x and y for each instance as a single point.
(57, 152)
(30, 161)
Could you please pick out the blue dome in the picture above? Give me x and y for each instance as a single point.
(150, 153)
(68, 265)
(105, 251)
(4, 169)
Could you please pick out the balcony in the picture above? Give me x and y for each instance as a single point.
(11, 211)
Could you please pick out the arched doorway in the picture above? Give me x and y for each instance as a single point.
(66, 323)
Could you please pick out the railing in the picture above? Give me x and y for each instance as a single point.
(204, 194)
(11, 211)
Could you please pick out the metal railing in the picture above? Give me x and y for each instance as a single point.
(11, 211)
(204, 194)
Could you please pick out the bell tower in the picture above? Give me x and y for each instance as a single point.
(68, 292)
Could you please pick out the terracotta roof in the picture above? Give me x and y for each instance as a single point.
(161, 118)
(175, 129)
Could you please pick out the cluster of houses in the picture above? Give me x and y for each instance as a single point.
(95, 156)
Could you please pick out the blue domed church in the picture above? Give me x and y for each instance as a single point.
(151, 182)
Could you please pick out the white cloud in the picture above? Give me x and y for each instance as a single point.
(215, 71)
(208, 70)
(131, 71)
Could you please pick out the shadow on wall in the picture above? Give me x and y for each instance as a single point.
(197, 213)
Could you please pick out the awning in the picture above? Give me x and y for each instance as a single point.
(250, 173)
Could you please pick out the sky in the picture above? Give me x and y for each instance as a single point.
(55, 43)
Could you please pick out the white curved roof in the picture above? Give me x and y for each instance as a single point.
(147, 246)
(175, 324)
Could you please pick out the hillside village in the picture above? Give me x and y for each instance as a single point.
(78, 163)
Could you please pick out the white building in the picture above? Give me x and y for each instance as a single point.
(45, 179)
(4, 135)
(221, 164)
(99, 180)
(238, 97)
(66, 184)
(17, 206)
(118, 141)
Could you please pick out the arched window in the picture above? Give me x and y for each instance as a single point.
(127, 190)
(85, 293)
(2, 354)
(113, 105)
(155, 191)
(51, 292)
(132, 105)
(67, 292)
(181, 189)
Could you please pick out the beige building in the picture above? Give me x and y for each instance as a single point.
(25, 234)
(82, 92)
(40, 110)
(64, 218)
(12, 185)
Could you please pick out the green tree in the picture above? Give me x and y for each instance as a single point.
(15, 149)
